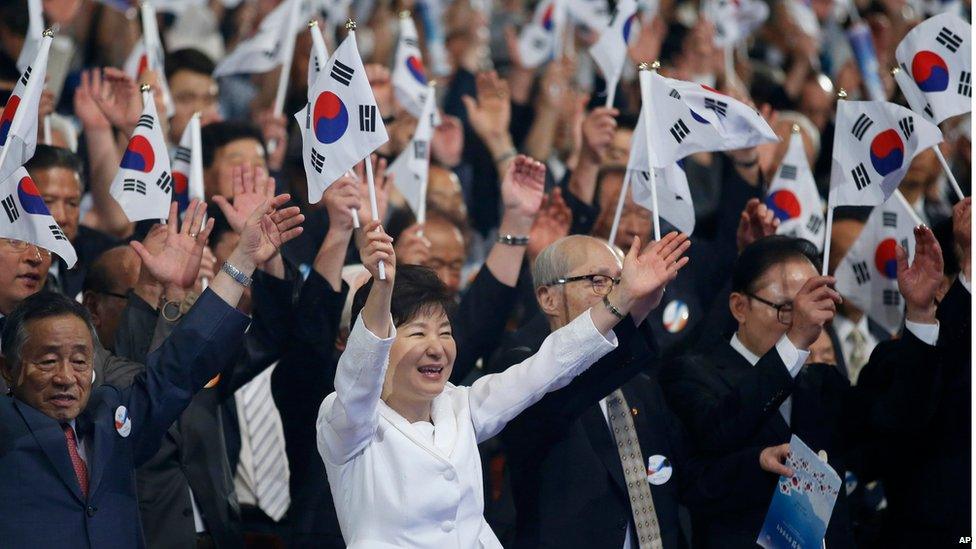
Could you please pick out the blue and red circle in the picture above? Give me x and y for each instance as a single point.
(886, 258)
(139, 155)
(330, 118)
(30, 197)
(930, 72)
(628, 27)
(415, 66)
(698, 118)
(784, 204)
(180, 185)
(8, 118)
(887, 152)
(547, 17)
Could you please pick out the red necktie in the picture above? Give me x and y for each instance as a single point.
(80, 470)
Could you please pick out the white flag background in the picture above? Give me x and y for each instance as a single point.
(264, 50)
(35, 31)
(687, 118)
(868, 275)
(411, 167)
(409, 73)
(793, 196)
(148, 54)
(18, 123)
(318, 56)
(342, 124)
(874, 143)
(937, 57)
(735, 20)
(143, 185)
(538, 39)
(610, 50)
(188, 166)
(26, 217)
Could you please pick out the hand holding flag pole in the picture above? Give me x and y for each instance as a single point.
(645, 89)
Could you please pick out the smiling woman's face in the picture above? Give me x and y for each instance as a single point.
(421, 358)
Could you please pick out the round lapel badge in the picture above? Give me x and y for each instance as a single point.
(658, 470)
(123, 425)
(675, 316)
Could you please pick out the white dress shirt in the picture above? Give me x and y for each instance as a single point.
(792, 357)
(394, 485)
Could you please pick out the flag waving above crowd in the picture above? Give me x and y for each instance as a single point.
(936, 56)
(143, 186)
(540, 39)
(26, 217)
(610, 50)
(265, 49)
(18, 123)
(409, 74)
(793, 195)
(148, 54)
(410, 169)
(188, 166)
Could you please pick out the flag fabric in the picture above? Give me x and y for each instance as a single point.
(26, 217)
(409, 74)
(801, 11)
(411, 167)
(148, 54)
(874, 143)
(593, 14)
(143, 186)
(867, 277)
(341, 122)
(610, 50)
(318, 56)
(18, 123)
(176, 6)
(687, 118)
(188, 166)
(936, 56)
(735, 20)
(265, 50)
(538, 42)
(673, 195)
(793, 196)
(35, 31)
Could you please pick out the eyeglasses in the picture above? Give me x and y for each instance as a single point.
(21, 246)
(784, 311)
(601, 284)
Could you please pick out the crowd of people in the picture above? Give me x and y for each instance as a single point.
(242, 374)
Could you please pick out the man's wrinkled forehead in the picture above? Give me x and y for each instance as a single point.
(590, 255)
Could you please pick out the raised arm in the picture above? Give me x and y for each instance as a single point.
(348, 417)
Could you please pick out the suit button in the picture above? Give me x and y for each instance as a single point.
(449, 475)
(91, 510)
(447, 526)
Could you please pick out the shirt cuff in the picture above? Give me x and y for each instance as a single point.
(792, 357)
(965, 283)
(927, 333)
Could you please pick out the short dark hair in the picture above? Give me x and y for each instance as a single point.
(43, 304)
(47, 157)
(14, 15)
(215, 136)
(757, 258)
(188, 59)
(98, 279)
(416, 290)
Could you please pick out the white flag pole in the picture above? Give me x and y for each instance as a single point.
(48, 33)
(645, 84)
(620, 208)
(830, 224)
(904, 202)
(611, 94)
(284, 76)
(372, 203)
(948, 171)
(561, 24)
(47, 130)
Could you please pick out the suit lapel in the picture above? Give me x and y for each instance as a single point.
(102, 443)
(732, 366)
(402, 425)
(595, 425)
(50, 437)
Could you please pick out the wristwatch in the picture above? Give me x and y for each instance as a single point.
(512, 240)
(237, 274)
(613, 310)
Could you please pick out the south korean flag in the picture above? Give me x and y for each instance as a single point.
(411, 167)
(734, 20)
(867, 276)
(793, 196)
(874, 143)
(26, 217)
(409, 75)
(341, 124)
(18, 123)
(539, 39)
(143, 186)
(318, 57)
(935, 59)
(148, 54)
(188, 166)
(687, 118)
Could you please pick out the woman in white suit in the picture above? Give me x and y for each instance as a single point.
(400, 444)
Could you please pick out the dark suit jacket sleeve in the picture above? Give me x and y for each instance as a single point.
(478, 333)
(728, 482)
(115, 370)
(195, 352)
(722, 421)
(135, 332)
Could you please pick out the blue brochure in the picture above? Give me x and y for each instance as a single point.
(801, 506)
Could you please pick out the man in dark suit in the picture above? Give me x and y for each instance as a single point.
(742, 401)
(567, 475)
(70, 452)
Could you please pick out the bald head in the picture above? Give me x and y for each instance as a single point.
(444, 194)
(447, 250)
(571, 256)
(105, 290)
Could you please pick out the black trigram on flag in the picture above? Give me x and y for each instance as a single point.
(10, 208)
(718, 106)
(367, 118)
(273, 52)
(814, 223)
(861, 177)
(907, 126)
(146, 121)
(674, 93)
(679, 131)
(420, 150)
(315, 61)
(965, 84)
(788, 171)
(411, 42)
(182, 154)
(928, 110)
(308, 116)
(861, 273)
(539, 43)
(24, 77)
(889, 219)
(318, 161)
(891, 297)
(861, 126)
(57, 233)
(342, 73)
(949, 39)
(134, 186)
(165, 182)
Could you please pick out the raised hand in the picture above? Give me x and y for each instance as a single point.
(755, 222)
(412, 248)
(553, 222)
(378, 246)
(522, 191)
(813, 307)
(252, 187)
(920, 282)
(176, 262)
(491, 112)
(118, 97)
(268, 228)
(86, 108)
(645, 275)
(341, 198)
(598, 129)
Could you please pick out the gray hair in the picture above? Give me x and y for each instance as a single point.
(554, 261)
(40, 305)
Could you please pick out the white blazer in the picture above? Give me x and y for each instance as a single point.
(391, 487)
